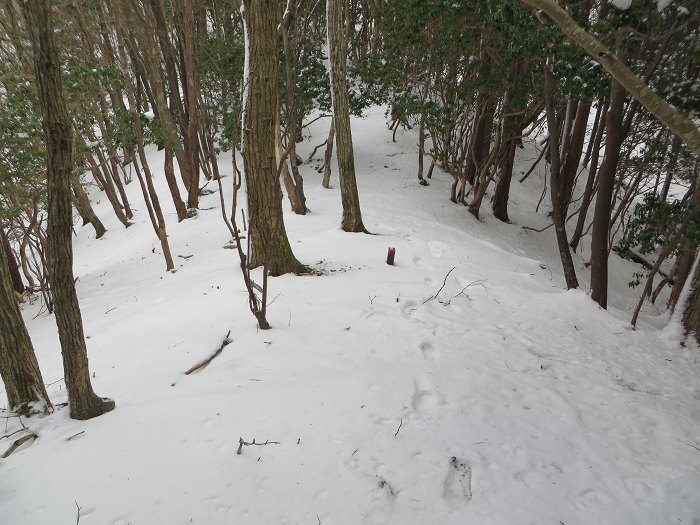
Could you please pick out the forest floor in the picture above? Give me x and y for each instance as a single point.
(464, 385)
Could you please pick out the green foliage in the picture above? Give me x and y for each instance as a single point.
(655, 222)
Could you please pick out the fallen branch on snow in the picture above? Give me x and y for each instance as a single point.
(209, 359)
(18, 443)
(444, 282)
(242, 443)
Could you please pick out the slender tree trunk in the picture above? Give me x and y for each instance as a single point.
(555, 185)
(13, 267)
(589, 191)
(328, 156)
(573, 154)
(169, 170)
(84, 403)
(691, 313)
(336, 15)
(82, 204)
(270, 245)
(19, 368)
(603, 202)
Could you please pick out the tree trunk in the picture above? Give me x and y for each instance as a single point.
(19, 368)
(84, 403)
(269, 242)
(558, 214)
(13, 267)
(588, 191)
(573, 154)
(603, 202)
(336, 15)
(82, 204)
(691, 314)
(328, 156)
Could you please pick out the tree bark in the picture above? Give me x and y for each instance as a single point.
(269, 242)
(603, 202)
(13, 267)
(691, 314)
(328, 156)
(555, 184)
(336, 15)
(19, 368)
(84, 403)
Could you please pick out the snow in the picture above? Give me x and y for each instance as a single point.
(503, 400)
(622, 5)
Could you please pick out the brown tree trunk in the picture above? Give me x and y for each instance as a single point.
(336, 16)
(573, 154)
(328, 156)
(84, 403)
(603, 202)
(691, 313)
(13, 267)
(82, 204)
(19, 368)
(169, 169)
(555, 184)
(269, 244)
(589, 191)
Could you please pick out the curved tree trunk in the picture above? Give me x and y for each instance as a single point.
(15, 275)
(19, 368)
(336, 15)
(269, 242)
(84, 403)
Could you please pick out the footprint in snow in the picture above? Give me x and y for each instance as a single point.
(424, 400)
(430, 353)
(458, 482)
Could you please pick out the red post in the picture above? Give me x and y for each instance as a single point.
(390, 256)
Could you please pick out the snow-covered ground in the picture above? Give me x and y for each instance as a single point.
(502, 400)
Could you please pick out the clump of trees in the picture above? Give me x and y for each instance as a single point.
(609, 94)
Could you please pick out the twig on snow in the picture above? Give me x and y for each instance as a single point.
(75, 435)
(77, 519)
(444, 282)
(479, 282)
(397, 430)
(209, 359)
(242, 443)
(696, 448)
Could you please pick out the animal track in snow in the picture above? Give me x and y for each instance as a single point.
(424, 400)
(458, 482)
(430, 353)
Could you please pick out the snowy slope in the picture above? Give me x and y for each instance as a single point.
(503, 400)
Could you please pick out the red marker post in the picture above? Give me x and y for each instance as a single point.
(390, 256)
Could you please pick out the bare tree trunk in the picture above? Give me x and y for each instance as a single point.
(13, 267)
(19, 368)
(336, 15)
(82, 204)
(84, 403)
(603, 202)
(269, 237)
(691, 314)
(328, 156)
(589, 191)
(555, 185)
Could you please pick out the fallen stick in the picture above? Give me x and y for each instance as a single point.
(209, 359)
(18, 443)
(241, 443)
